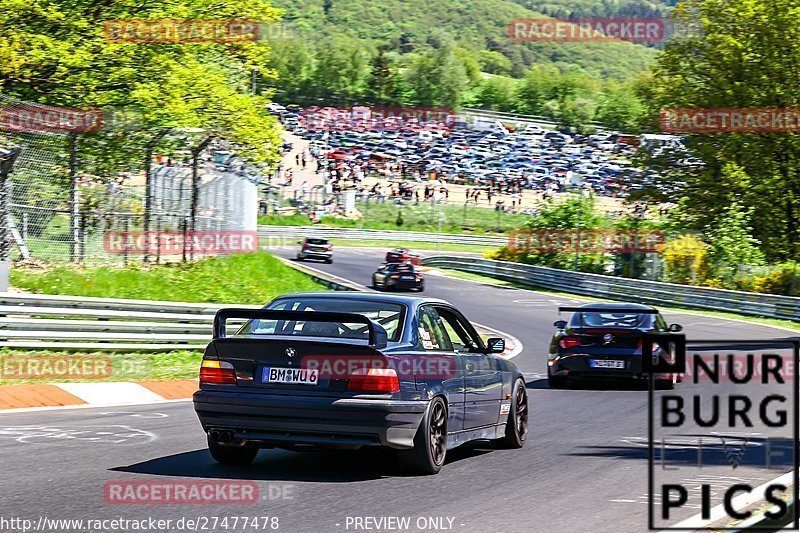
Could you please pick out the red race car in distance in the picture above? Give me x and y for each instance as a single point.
(403, 255)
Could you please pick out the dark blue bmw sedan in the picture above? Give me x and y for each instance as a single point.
(346, 370)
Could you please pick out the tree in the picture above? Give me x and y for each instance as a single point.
(56, 53)
(438, 78)
(383, 86)
(736, 54)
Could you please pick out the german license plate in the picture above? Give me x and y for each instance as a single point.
(406, 277)
(606, 363)
(295, 376)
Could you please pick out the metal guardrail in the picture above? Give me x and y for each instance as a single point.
(628, 290)
(516, 117)
(112, 324)
(282, 233)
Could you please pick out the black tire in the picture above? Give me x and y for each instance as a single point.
(517, 424)
(555, 382)
(232, 455)
(430, 442)
(329, 261)
(421, 288)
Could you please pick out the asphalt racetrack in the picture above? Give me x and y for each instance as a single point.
(584, 467)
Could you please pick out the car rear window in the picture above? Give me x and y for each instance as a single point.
(317, 241)
(389, 315)
(612, 320)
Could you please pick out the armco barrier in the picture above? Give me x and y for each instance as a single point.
(628, 290)
(277, 235)
(113, 324)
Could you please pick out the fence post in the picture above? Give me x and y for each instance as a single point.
(7, 158)
(74, 201)
(83, 237)
(195, 191)
(148, 188)
(127, 227)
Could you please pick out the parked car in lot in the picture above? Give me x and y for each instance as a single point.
(604, 341)
(409, 373)
(315, 248)
(398, 276)
(403, 255)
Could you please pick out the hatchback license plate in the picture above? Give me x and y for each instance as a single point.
(298, 376)
(607, 363)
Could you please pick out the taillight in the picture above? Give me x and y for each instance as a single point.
(329, 247)
(374, 380)
(306, 246)
(569, 342)
(217, 372)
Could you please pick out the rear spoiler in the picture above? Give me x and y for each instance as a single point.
(627, 310)
(378, 337)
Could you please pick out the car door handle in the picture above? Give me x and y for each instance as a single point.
(469, 367)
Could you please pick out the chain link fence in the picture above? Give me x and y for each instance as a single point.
(114, 191)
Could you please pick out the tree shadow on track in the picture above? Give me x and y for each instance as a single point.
(280, 465)
(707, 450)
(587, 385)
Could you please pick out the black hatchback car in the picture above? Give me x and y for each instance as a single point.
(604, 341)
(346, 370)
(398, 276)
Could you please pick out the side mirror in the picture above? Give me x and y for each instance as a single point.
(495, 345)
(560, 324)
(675, 328)
(299, 242)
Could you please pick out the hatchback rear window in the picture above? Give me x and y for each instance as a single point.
(611, 320)
(317, 241)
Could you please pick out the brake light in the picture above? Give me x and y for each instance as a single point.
(305, 246)
(329, 247)
(374, 380)
(569, 342)
(217, 372)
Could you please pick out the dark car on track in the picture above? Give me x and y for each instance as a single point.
(332, 370)
(604, 341)
(398, 276)
(403, 255)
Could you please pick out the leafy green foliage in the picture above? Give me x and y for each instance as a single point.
(55, 53)
(735, 54)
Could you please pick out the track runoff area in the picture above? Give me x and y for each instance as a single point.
(716, 452)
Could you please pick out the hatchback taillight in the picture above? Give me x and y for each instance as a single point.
(217, 372)
(569, 342)
(374, 380)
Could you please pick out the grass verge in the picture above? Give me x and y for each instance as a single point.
(414, 217)
(243, 278)
(39, 366)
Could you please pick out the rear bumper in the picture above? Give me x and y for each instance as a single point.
(275, 420)
(316, 255)
(404, 284)
(578, 366)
